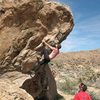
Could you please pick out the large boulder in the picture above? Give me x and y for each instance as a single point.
(23, 26)
(9, 87)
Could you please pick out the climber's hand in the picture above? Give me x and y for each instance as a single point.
(43, 42)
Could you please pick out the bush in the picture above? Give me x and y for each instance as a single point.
(68, 87)
(94, 96)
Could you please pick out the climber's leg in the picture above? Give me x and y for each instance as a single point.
(35, 67)
(45, 60)
(46, 57)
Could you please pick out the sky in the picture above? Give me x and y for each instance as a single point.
(86, 32)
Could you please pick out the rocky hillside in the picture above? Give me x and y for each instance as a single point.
(83, 63)
(75, 67)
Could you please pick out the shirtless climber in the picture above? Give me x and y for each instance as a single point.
(48, 57)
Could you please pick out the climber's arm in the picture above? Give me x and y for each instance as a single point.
(38, 47)
(48, 45)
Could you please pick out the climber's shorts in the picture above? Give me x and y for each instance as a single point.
(46, 60)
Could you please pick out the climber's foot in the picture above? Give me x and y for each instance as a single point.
(31, 73)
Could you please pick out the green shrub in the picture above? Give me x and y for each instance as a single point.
(94, 96)
(68, 87)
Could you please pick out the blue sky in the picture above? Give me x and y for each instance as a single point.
(86, 32)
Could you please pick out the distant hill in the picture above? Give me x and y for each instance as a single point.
(83, 64)
(74, 67)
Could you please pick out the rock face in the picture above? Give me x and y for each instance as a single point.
(23, 26)
(9, 86)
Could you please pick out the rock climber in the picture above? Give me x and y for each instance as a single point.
(49, 56)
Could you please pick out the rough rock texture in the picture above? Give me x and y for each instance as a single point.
(9, 87)
(23, 26)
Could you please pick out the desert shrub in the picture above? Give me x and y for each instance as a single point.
(59, 65)
(68, 87)
(95, 96)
